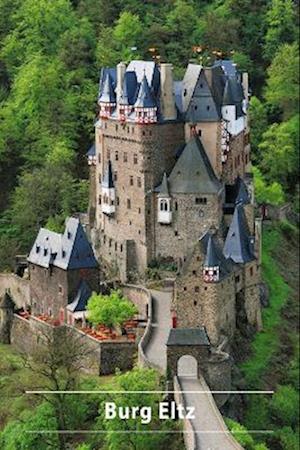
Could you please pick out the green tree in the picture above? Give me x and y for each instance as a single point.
(281, 26)
(267, 193)
(285, 405)
(258, 123)
(138, 380)
(279, 153)
(283, 80)
(110, 310)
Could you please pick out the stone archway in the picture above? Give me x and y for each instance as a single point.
(187, 366)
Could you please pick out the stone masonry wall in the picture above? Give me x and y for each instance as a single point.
(17, 287)
(139, 156)
(189, 222)
(198, 303)
(235, 164)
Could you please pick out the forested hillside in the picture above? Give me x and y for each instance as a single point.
(50, 57)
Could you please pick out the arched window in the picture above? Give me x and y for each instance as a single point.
(164, 205)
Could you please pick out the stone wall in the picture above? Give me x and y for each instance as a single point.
(141, 297)
(17, 287)
(139, 156)
(101, 358)
(189, 221)
(174, 353)
(236, 159)
(198, 303)
(252, 294)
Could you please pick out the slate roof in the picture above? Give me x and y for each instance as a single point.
(164, 189)
(192, 172)
(91, 151)
(70, 250)
(237, 244)
(145, 99)
(214, 255)
(108, 179)
(130, 88)
(188, 337)
(228, 98)
(227, 65)
(81, 298)
(242, 193)
(107, 94)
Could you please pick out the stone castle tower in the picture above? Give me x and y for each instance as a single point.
(164, 152)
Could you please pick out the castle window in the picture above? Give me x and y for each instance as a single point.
(128, 203)
(199, 132)
(135, 159)
(115, 176)
(108, 154)
(205, 288)
(176, 233)
(128, 129)
(125, 157)
(208, 107)
(99, 138)
(131, 181)
(104, 239)
(99, 200)
(99, 157)
(144, 133)
(201, 85)
(105, 125)
(118, 201)
(197, 289)
(201, 200)
(139, 210)
(117, 127)
(116, 246)
(110, 243)
(132, 130)
(163, 205)
(184, 92)
(215, 272)
(176, 206)
(60, 289)
(139, 231)
(117, 156)
(130, 223)
(185, 288)
(195, 107)
(139, 182)
(251, 271)
(237, 279)
(100, 178)
(150, 133)
(195, 302)
(121, 248)
(194, 272)
(198, 258)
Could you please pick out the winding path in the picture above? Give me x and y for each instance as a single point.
(210, 430)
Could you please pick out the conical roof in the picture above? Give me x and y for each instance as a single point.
(228, 95)
(108, 180)
(237, 243)
(211, 258)
(164, 189)
(193, 173)
(145, 98)
(107, 94)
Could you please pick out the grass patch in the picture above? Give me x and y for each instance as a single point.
(267, 342)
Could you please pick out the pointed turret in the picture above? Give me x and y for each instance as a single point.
(108, 191)
(107, 97)
(211, 267)
(145, 105)
(238, 244)
(164, 202)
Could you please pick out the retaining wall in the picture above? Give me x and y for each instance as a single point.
(17, 287)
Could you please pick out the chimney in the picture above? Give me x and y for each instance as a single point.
(121, 69)
(167, 97)
(245, 83)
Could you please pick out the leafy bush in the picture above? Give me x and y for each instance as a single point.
(285, 405)
(110, 310)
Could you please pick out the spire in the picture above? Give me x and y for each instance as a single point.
(108, 180)
(211, 258)
(145, 98)
(237, 243)
(228, 98)
(164, 189)
(107, 94)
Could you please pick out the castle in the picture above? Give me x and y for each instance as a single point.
(170, 182)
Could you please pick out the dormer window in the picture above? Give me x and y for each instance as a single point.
(37, 249)
(45, 251)
(69, 235)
